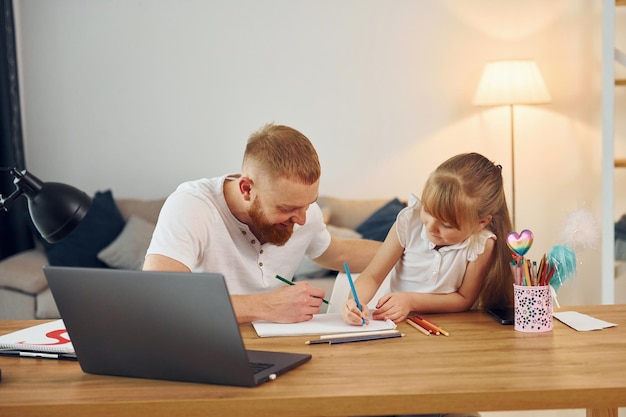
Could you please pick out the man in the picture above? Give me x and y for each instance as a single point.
(255, 225)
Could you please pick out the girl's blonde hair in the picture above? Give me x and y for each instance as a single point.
(283, 152)
(460, 192)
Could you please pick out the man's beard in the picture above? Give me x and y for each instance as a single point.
(269, 232)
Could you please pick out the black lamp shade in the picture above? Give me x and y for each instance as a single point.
(56, 209)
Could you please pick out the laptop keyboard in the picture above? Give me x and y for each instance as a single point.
(260, 366)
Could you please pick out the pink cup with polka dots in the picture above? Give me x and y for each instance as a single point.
(533, 308)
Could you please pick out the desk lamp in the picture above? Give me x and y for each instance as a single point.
(56, 209)
(510, 83)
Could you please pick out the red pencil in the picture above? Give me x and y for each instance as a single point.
(433, 324)
(419, 316)
(550, 274)
(428, 326)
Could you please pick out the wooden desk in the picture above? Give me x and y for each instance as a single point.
(482, 366)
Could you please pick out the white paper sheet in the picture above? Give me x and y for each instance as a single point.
(581, 322)
(329, 323)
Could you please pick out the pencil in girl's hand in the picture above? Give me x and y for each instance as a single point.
(286, 281)
(356, 298)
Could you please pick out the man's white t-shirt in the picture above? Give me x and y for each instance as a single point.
(196, 228)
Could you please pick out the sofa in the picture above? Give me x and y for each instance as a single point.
(116, 233)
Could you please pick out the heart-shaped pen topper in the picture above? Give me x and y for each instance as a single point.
(520, 243)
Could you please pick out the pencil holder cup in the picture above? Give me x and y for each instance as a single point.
(533, 308)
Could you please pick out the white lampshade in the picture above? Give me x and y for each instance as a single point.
(511, 82)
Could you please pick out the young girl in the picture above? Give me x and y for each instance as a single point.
(446, 252)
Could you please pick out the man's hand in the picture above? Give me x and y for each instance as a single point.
(289, 304)
(295, 303)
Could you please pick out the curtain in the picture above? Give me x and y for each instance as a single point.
(15, 229)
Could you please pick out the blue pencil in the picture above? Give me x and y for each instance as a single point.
(356, 298)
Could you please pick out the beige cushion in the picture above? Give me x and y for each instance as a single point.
(24, 271)
(146, 209)
(343, 232)
(349, 213)
(128, 250)
(16, 305)
(46, 307)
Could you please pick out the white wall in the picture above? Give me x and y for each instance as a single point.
(138, 96)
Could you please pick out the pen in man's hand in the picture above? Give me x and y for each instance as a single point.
(286, 281)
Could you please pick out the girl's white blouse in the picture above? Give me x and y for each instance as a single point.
(423, 268)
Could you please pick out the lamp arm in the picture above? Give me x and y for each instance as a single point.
(7, 203)
(55, 208)
(25, 183)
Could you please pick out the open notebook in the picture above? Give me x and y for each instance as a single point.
(161, 325)
(46, 340)
(330, 322)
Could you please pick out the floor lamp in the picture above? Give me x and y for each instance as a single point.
(510, 83)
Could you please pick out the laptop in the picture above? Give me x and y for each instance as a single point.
(159, 325)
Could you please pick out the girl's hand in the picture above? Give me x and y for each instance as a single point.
(351, 314)
(395, 307)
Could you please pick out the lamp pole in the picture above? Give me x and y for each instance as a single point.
(512, 167)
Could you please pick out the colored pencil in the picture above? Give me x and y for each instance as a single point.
(286, 281)
(427, 325)
(540, 271)
(550, 274)
(356, 298)
(433, 324)
(339, 335)
(362, 338)
(418, 327)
